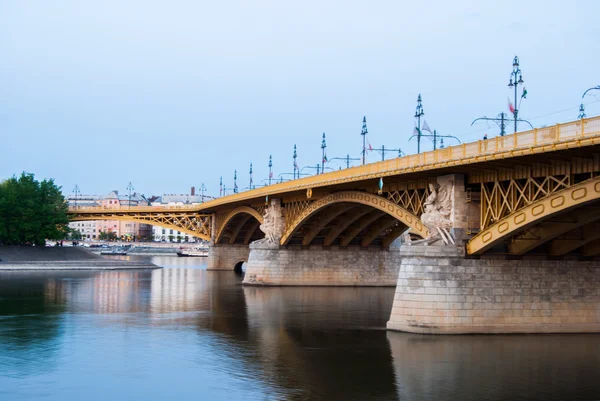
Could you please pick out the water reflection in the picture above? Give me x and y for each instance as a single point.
(187, 333)
(509, 367)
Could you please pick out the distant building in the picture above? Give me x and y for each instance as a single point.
(162, 234)
(124, 230)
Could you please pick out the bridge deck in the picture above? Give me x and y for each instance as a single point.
(468, 157)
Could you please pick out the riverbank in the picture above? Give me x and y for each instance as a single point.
(62, 258)
(144, 248)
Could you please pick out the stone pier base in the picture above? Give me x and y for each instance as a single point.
(270, 264)
(226, 257)
(440, 292)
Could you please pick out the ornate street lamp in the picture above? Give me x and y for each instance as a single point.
(364, 133)
(202, 189)
(581, 111)
(235, 187)
(77, 192)
(418, 114)
(323, 157)
(130, 188)
(295, 164)
(251, 182)
(270, 168)
(518, 79)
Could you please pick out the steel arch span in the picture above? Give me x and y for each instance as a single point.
(250, 212)
(195, 224)
(362, 198)
(557, 203)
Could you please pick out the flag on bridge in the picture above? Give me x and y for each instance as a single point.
(511, 107)
(325, 159)
(524, 95)
(426, 127)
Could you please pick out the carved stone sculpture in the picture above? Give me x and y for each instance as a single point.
(273, 223)
(438, 209)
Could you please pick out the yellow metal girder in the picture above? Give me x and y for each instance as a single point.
(562, 246)
(542, 209)
(238, 228)
(323, 221)
(376, 229)
(363, 198)
(548, 230)
(192, 224)
(360, 226)
(343, 225)
(250, 232)
(242, 209)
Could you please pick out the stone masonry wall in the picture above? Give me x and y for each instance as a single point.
(225, 257)
(440, 292)
(272, 265)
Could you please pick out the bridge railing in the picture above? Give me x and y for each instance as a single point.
(526, 139)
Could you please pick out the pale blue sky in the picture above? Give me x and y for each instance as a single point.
(170, 94)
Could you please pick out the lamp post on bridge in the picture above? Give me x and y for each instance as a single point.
(418, 114)
(202, 189)
(130, 188)
(295, 164)
(77, 192)
(235, 187)
(364, 133)
(270, 169)
(250, 187)
(323, 156)
(581, 111)
(221, 186)
(518, 77)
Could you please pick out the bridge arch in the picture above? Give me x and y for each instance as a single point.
(569, 202)
(343, 216)
(198, 226)
(241, 223)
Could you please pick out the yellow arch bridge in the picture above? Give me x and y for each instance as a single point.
(534, 192)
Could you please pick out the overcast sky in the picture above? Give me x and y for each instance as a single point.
(170, 94)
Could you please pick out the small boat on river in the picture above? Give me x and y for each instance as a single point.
(117, 251)
(199, 252)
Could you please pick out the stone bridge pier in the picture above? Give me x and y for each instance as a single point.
(272, 264)
(439, 291)
(227, 257)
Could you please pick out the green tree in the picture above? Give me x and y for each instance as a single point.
(31, 211)
(73, 234)
(107, 236)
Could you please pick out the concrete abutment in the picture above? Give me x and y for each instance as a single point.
(226, 257)
(441, 292)
(271, 264)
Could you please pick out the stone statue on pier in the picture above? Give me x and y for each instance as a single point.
(438, 209)
(273, 223)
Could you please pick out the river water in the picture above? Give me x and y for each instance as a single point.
(184, 333)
